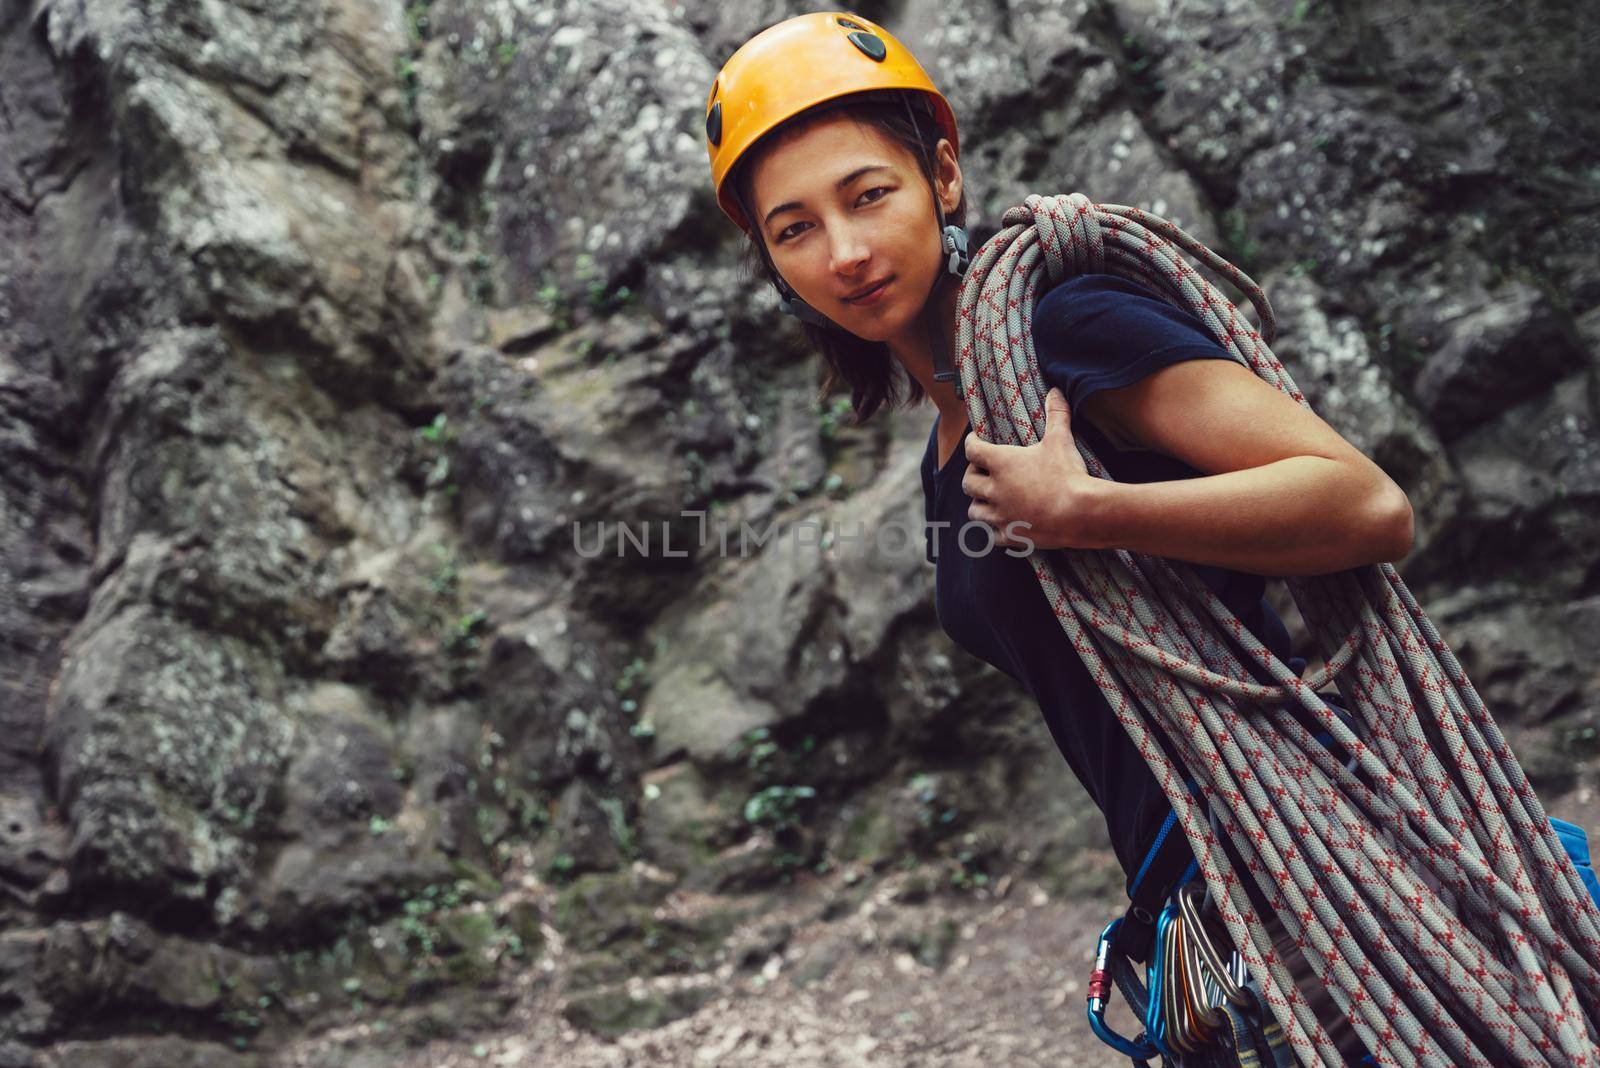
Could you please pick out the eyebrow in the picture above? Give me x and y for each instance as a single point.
(840, 184)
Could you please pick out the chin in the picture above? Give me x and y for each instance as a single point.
(876, 334)
(880, 327)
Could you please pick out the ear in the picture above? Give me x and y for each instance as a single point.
(947, 175)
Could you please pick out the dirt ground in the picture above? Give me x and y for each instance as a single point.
(1006, 986)
(822, 974)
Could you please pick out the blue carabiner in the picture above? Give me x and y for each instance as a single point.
(1155, 1024)
(1139, 1049)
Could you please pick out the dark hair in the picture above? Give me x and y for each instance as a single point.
(874, 376)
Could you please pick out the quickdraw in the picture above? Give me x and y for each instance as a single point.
(1199, 1007)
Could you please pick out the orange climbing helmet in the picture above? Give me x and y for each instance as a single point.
(800, 63)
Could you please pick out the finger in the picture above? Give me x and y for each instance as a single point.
(975, 485)
(1057, 415)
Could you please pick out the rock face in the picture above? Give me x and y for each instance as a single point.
(342, 345)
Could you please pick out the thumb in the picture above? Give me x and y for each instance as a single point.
(1057, 416)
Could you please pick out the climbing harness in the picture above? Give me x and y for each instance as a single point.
(1347, 855)
(1576, 842)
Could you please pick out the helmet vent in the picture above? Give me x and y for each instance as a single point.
(714, 124)
(871, 44)
(849, 24)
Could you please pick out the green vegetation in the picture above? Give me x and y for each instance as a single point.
(699, 474)
(1404, 355)
(970, 875)
(833, 416)
(634, 674)
(235, 816)
(559, 870)
(481, 291)
(1140, 66)
(1304, 9)
(776, 806)
(464, 636)
(443, 580)
(419, 925)
(405, 71)
(417, 21)
(757, 748)
(1306, 266)
(633, 681)
(441, 932)
(549, 295)
(621, 832)
(530, 809)
(439, 434)
(926, 790)
(598, 293)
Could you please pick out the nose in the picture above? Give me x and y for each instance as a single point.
(847, 251)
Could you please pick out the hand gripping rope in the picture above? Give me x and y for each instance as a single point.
(1359, 863)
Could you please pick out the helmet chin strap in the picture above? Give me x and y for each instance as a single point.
(953, 244)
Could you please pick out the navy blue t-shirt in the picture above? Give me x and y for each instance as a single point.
(1090, 333)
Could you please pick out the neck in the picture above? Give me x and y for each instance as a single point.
(912, 349)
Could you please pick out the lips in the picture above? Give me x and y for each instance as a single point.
(869, 290)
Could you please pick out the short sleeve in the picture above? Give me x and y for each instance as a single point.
(1101, 331)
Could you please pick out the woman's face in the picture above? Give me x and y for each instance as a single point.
(842, 207)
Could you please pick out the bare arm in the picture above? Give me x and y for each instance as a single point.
(1280, 491)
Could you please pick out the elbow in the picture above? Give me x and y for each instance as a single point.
(1394, 521)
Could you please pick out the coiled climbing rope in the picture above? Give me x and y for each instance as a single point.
(1359, 863)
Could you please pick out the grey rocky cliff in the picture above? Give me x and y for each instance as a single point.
(322, 324)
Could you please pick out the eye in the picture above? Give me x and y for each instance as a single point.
(784, 235)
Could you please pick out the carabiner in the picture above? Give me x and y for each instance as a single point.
(1138, 1049)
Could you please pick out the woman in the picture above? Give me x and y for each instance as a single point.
(835, 154)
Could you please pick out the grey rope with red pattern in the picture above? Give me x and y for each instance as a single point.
(1513, 970)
